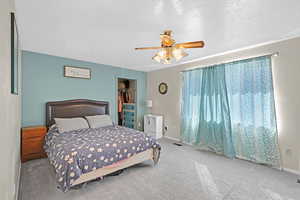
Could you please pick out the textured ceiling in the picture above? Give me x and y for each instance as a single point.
(107, 31)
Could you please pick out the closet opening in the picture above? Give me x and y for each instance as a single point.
(126, 106)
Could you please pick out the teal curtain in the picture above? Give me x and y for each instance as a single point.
(205, 110)
(252, 108)
(230, 109)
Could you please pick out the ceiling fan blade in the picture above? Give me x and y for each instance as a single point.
(147, 48)
(196, 44)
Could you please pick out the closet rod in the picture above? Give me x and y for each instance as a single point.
(233, 60)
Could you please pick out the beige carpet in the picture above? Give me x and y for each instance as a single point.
(182, 173)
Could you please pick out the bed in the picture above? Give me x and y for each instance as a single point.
(79, 156)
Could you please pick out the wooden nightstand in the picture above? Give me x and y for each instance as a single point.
(32, 141)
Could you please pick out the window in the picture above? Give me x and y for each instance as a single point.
(229, 108)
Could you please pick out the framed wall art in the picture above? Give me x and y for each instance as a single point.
(77, 72)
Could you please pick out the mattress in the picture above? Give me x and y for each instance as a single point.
(82, 151)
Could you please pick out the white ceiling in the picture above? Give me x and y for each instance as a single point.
(107, 31)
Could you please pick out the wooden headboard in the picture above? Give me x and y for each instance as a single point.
(74, 108)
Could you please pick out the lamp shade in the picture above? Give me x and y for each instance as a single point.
(149, 103)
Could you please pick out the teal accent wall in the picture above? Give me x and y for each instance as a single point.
(43, 81)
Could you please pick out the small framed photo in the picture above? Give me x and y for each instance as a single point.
(77, 72)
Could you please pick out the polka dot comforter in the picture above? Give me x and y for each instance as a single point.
(81, 151)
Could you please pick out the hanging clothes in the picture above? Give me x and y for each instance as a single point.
(123, 97)
(120, 103)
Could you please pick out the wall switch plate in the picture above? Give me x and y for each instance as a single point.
(14, 190)
(288, 152)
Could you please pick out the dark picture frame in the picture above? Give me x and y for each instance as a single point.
(14, 55)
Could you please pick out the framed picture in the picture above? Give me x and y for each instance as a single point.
(77, 72)
(14, 55)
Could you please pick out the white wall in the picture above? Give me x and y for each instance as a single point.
(286, 74)
(9, 112)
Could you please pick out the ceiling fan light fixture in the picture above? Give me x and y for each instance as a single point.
(157, 58)
(178, 54)
(161, 56)
(166, 55)
(162, 53)
(170, 50)
(166, 61)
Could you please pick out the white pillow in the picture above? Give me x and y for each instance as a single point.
(70, 124)
(98, 121)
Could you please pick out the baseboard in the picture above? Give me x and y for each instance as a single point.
(296, 172)
(171, 138)
(292, 171)
(284, 169)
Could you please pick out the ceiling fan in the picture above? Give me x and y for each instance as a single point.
(169, 49)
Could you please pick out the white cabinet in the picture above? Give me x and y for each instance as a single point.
(153, 125)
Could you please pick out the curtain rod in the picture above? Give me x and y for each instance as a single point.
(233, 60)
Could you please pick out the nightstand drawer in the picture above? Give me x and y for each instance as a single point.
(34, 145)
(32, 141)
(28, 133)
